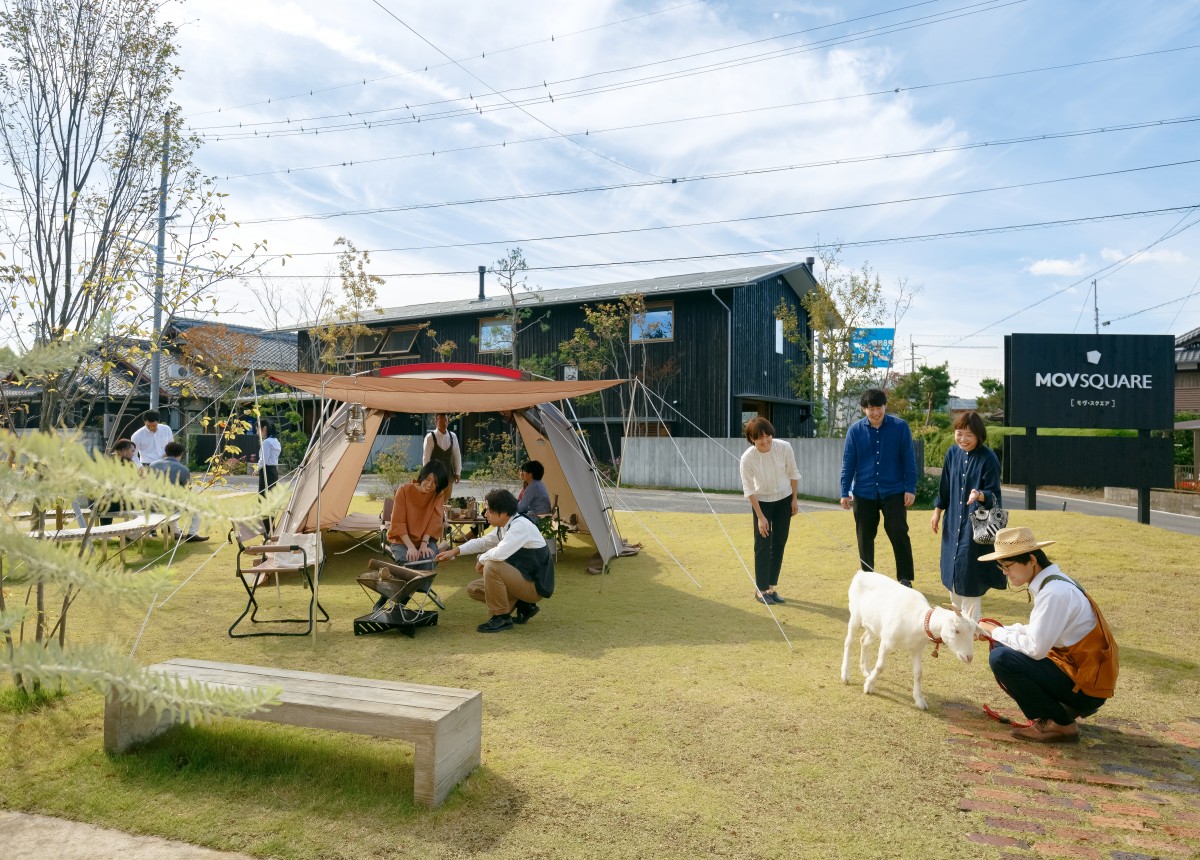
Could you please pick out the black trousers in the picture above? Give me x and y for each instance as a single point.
(268, 476)
(895, 523)
(1041, 690)
(768, 551)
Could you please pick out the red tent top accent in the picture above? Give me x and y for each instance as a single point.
(450, 370)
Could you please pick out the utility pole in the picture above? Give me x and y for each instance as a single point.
(912, 352)
(1096, 305)
(155, 350)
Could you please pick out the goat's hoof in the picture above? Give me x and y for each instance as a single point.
(922, 704)
(869, 688)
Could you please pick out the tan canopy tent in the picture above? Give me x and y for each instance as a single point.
(335, 465)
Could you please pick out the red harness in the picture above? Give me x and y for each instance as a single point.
(937, 642)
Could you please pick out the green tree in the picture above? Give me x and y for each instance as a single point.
(44, 467)
(992, 398)
(510, 275)
(928, 387)
(339, 335)
(85, 111)
(844, 301)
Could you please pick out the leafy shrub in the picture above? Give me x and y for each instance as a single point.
(392, 465)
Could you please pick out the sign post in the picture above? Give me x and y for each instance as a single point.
(1117, 382)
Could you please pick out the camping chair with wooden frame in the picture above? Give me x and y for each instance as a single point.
(286, 553)
(364, 529)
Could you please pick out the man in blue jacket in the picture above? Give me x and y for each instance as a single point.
(879, 475)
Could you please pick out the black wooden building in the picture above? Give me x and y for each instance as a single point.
(710, 347)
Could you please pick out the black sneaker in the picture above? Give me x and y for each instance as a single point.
(495, 624)
(525, 611)
(907, 583)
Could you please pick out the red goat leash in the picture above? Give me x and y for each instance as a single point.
(993, 714)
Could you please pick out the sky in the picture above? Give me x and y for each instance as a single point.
(997, 154)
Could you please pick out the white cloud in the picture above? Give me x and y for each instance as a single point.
(1112, 255)
(1078, 266)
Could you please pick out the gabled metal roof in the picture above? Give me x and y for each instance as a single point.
(796, 274)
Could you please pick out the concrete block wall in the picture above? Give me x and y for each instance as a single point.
(713, 464)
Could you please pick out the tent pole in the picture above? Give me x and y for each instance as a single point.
(312, 612)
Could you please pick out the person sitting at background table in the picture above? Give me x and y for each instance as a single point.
(535, 498)
(122, 450)
(418, 516)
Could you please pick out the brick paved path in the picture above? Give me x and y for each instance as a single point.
(1125, 792)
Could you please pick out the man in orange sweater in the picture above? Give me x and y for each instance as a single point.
(1062, 664)
(418, 517)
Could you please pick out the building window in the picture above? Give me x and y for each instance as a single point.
(401, 339)
(495, 335)
(366, 344)
(656, 324)
(779, 337)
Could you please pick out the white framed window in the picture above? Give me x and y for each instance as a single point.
(779, 337)
(495, 335)
(656, 325)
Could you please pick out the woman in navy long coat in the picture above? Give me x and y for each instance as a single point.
(970, 479)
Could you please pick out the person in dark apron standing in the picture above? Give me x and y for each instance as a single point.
(442, 445)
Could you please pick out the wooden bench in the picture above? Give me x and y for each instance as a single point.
(445, 724)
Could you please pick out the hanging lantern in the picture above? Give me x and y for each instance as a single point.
(356, 423)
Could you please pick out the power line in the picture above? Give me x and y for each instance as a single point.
(924, 237)
(1173, 231)
(718, 222)
(538, 120)
(475, 108)
(1191, 293)
(484, 53)
(321, 216)
(1057, 135)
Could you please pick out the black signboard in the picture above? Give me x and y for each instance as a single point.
(1109, 381)
(1088, 461)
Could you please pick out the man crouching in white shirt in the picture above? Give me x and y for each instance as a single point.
(515, 565)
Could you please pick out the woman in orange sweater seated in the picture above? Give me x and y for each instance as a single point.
(1062, 664)
(417, 516)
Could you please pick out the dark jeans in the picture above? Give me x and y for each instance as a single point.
(400, 552)
(768, 551)
(1039, 687)
(895, 523)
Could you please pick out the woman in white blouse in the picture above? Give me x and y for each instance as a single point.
(770, 480)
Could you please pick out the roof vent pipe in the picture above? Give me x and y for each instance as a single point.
(808, 261)
(482, 272)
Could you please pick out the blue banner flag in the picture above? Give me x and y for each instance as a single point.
(872, 347)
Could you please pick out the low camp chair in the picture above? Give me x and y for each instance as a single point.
(258, 563)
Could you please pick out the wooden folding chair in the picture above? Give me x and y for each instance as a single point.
(287, 553)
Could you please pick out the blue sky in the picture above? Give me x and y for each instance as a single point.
(243, 62)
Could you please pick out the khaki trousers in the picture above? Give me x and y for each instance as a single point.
(501, 587)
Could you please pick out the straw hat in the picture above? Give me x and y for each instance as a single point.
(1014, 541)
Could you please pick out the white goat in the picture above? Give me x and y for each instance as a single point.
(900, 619)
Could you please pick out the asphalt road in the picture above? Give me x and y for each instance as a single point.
(733, 503)
(1014, 500)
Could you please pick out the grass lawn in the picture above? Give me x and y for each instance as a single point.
(637, 716)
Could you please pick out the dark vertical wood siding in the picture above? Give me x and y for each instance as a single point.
(689, 372)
